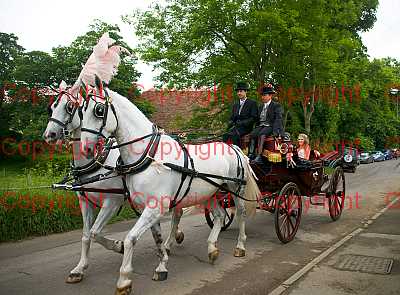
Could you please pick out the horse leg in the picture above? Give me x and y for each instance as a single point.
(148, 218)
(218, 214)
(161, 272)
(76, 274)
(175, 232)
(240, 250)
(108, 209)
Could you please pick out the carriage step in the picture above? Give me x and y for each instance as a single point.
(319, 196)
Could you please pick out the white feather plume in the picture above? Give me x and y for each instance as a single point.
(103, 62)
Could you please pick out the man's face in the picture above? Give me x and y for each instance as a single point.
(266, 98)
(241, 94)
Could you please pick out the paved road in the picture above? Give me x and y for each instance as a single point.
(40, 265)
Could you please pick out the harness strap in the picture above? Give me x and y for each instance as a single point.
(129, 142)
(240, 168)
(62, 124)
(94, 178)
(94, 164)
(126, 197)
(202, 175)
(147, 157)
(183, 177)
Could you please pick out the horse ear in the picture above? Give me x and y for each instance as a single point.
(63, 85)
(98, 82)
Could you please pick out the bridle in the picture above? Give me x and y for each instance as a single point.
(101, 111)
(71, 107)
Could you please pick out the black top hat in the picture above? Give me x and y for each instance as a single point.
(268, 89)
(242, 86)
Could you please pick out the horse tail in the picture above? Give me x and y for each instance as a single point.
(251, 192)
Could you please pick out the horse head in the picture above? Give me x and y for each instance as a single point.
(99, 121)
(64, 114)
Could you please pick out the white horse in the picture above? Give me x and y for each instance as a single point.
(65, 119)
(152, 182)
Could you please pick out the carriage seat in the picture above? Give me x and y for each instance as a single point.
(270, 145)
(275, 148)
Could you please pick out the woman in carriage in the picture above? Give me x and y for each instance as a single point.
(304, 150)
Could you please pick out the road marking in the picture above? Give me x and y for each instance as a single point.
(290, 281)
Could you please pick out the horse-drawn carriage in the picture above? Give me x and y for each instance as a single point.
(283, 180)
(151, 174)
(147, 176)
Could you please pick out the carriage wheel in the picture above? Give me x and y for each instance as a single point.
(337, 193)
(288, 212)
(226, 204)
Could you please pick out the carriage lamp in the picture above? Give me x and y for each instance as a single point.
(395, 92)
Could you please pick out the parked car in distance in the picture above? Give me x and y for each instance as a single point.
(350, 159)
(366, 158)
(378, 156)
(388, 154)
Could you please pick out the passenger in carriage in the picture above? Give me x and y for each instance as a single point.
(269, 122)
(304, 150)
(243, 116)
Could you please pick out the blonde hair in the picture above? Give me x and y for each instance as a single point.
(305, 137)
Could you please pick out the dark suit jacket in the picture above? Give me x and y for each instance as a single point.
(244, 121)
(274, 117)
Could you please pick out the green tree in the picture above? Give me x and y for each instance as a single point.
(300, 43)
(35, 69)
(10, 50)
(69, 59)
(26, 112)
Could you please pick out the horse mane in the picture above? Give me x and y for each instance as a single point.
(126, 104)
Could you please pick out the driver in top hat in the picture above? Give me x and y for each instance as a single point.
(269, 122)
(243, 116)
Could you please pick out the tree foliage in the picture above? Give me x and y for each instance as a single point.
(25, 74)
(308, 46)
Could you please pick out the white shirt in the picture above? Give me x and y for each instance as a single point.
(241, 101)
(301, 153)
(266, 104)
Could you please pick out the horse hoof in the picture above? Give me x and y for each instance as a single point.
(160, 276)
(74, 278)
(239, 252)
(213, 256)
(179, 237)
(124, 291)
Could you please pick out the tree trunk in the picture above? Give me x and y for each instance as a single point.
(285, 119)
(308, 108)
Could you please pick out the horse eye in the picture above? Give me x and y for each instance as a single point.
(70, 107)
(99, 110)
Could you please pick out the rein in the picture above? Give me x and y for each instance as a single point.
(101, 111)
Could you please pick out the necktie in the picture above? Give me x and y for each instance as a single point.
(241, 106)
(265, 108)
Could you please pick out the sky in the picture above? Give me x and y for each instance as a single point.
(44, 24)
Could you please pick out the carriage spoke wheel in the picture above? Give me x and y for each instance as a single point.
(337, 193)
(228, 206)
(288, 212)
